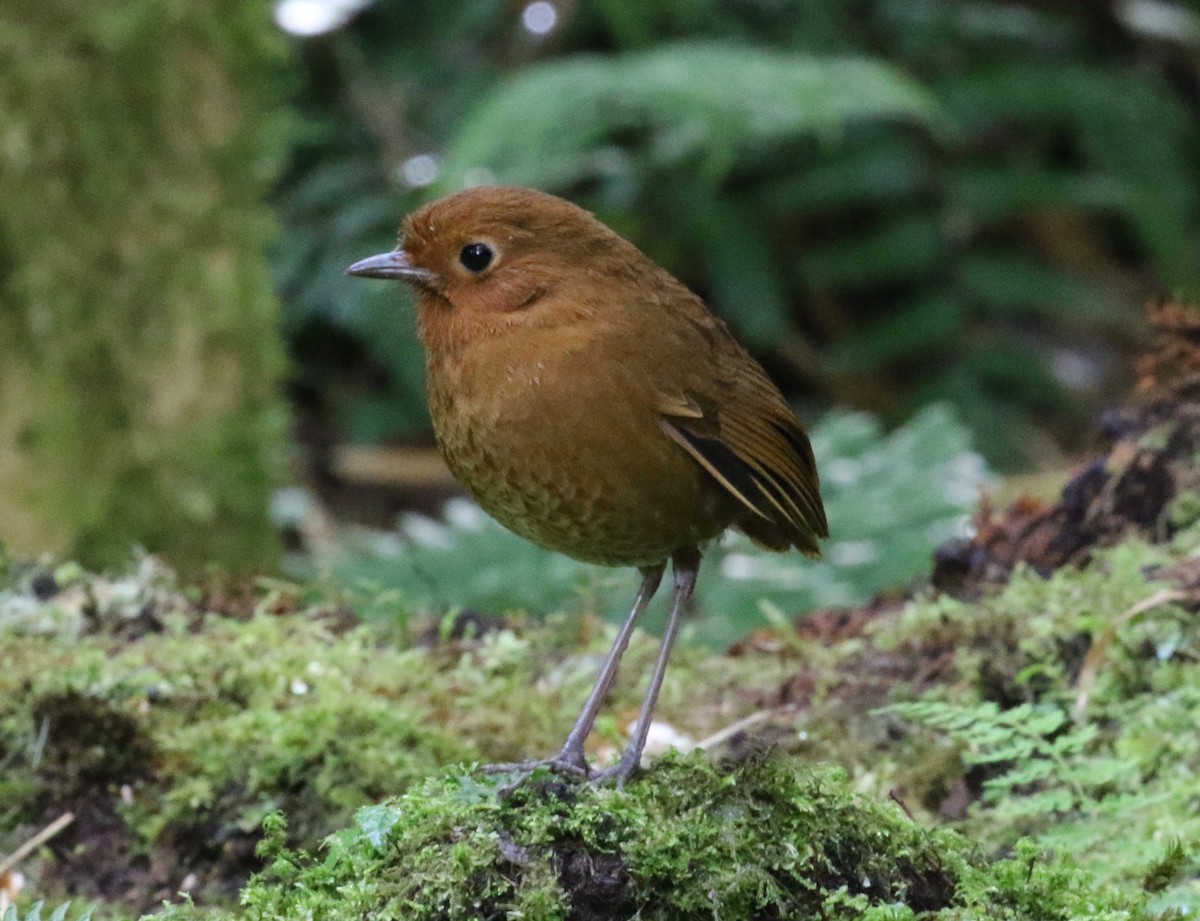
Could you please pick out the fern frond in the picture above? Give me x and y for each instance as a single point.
(681, 102)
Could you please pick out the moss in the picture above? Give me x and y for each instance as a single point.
(255, 715)
(1184, 510)
(93, 744)
(172, 732)
(287, 704)
(184, 727)
(765, 839)
(1111, 779)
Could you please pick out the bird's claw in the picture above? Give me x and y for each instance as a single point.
(565, 764)
(618, 773)
(554, 765)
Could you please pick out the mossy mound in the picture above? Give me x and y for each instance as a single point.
(767, 838)
(169, 731)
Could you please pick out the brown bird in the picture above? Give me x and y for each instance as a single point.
(593, 405)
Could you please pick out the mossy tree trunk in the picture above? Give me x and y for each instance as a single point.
(138, 357)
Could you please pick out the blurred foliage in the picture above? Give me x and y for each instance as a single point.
(138, 365)
(749, 102)
(891, 500)
(34, 913)
(893, 202)
(1093, 755)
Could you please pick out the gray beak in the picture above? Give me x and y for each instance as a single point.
(393, 265)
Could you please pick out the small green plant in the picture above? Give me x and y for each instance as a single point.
(1112, 783)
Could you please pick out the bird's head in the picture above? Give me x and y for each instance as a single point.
(500, 256)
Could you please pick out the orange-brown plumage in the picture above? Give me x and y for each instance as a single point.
(587, 399)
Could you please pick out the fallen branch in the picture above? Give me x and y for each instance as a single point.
(1086, 681)
(36, 841)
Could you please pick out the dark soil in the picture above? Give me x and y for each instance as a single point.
(1153, 442)
(599, 884)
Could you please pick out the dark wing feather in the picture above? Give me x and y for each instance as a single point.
(726, 467)
(766, 463)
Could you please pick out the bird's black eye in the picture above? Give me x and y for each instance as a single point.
(475, 257)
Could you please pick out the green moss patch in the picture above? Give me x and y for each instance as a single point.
(173, 732)
(768, 838)
(170, 732)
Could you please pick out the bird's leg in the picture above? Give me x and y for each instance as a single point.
(570, 758)
(571, 754)
(685, 565)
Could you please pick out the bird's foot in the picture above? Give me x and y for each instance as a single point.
(567, 763)
(555, 765)
(618, 773)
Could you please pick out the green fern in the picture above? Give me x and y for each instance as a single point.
(698, 104)
(1046, 766)
(1103, 108)
(34, 913)
(1113, 788)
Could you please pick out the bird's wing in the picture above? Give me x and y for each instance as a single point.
(762, 457)
(718, 404)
